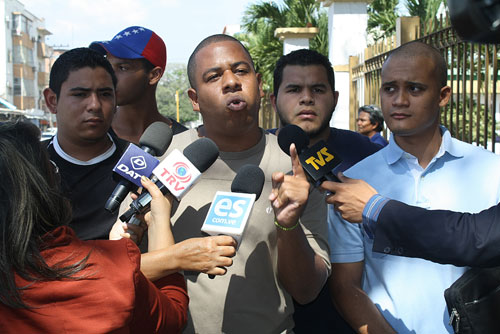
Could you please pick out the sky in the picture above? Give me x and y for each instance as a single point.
(182, 24)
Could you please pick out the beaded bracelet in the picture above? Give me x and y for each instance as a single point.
(286, 228)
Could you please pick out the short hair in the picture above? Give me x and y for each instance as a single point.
(74, 60)
(302, 57)
(147, 65)
(375, 114)
(418, 49)
(191, 68)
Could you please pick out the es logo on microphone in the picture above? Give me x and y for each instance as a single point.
(228, 213)
(177, 173)
(134, 163)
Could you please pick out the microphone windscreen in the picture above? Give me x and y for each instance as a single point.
(249, 180)
(292, 134)
(157, 137)
(202, 153)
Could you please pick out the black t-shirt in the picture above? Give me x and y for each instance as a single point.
(88, 188)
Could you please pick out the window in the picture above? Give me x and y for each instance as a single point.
(21, 23)
(23, 55)
(17, 86)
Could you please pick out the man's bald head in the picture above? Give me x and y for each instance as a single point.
(419, 49)
(191, 68)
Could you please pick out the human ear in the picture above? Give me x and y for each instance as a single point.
(50, 100)
(444, 96)
(155, 75)
(193, 96)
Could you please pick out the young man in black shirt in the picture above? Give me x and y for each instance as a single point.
(81, 94)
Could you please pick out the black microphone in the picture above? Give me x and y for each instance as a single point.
(318, 160)
(249, 180)
(177, 173)
(154, 141)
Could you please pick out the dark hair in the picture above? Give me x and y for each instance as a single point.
(376, 116)
(31, 206)
(146, 65)
(191, 68)
(74, 60)
(302, 57)
(418, 49)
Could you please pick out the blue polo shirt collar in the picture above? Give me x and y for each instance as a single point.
(393, 152)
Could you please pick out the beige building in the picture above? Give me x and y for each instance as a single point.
(24, 59)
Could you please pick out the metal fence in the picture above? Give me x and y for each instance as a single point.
(473, 75)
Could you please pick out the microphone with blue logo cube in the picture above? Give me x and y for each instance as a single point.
(177, 173)
(136, 162)
(230, 211)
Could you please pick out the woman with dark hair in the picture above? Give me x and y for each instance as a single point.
(52, 282)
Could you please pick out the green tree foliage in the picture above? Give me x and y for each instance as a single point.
(175, 78)
(425, 9)
(263, 18)
(382, 14)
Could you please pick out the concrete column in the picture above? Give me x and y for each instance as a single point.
(347, 22)
(295, 38)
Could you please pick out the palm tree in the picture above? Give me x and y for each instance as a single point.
(382, 15)
(261, 20)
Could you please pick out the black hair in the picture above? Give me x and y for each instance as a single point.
(74, 60)
(418, 49)
(31, 205)
(191, 68)
(302, 57)
(375, 114)
(147, 65)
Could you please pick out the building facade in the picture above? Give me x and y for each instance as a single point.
(24, 59)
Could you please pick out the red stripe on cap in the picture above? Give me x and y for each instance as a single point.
(156, 51)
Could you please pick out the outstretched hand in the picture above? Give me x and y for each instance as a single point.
(290, 192)
(158, 218)
(349, 197)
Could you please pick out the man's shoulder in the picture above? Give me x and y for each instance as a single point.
(177, 127)
(372, 165)
(183, 139)
(473, 151)
(354, 141)
(343, 134)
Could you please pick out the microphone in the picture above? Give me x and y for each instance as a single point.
(136, 162)
(318, 160)
(229, 211)
(177, 173)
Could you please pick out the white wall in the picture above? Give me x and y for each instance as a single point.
(292, 44)
(347, 22)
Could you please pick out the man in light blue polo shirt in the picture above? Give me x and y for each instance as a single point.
(422, 166)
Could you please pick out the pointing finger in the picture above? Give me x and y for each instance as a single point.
(297, 169)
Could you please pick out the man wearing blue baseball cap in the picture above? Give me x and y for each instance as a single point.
(138, 57)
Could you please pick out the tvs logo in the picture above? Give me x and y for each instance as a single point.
(181, 172)
(138, 162)
(323, 158)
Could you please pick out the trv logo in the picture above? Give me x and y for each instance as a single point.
(134, 163)
(228, 213)
(177, 173)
